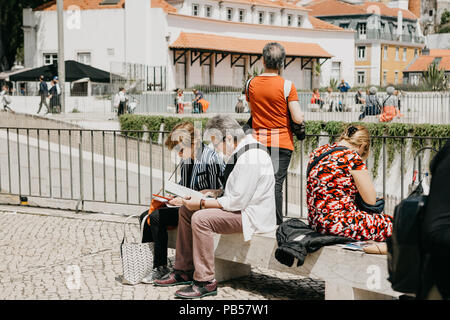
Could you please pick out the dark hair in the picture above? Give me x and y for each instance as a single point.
(274, 55)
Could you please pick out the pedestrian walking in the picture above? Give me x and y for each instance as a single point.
(5, 99)
(43, 92)
(271, 112)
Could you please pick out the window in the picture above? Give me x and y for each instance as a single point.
(361, 53)
(344, 25)
(396, 53)
(362, 30)
(195, 10)
(49, 58)
(289, 19)
(415, 52)
(336, 70)
(299, 21)
(430, 13)
(404, 54)
(361, 78)
(208, 11)
(385, 53)
(395, 77)
(271, 17)
(384, 78)
(261, 17)
(229, 14)
(241, 15)
(84, 57)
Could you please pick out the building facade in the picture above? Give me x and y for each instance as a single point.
(414, 72)
(172, 34)
(386, 39)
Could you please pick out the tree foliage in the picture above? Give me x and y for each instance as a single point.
(11, 33)
(434, 78)
(444, 26)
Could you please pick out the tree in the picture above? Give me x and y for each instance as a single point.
(444, 26)
(11, 33)
(434, 78)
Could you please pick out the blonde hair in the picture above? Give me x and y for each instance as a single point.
(358, 136)
(182, 133)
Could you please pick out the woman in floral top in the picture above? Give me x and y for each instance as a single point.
(332, 185)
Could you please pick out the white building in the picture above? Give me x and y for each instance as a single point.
(200, 42)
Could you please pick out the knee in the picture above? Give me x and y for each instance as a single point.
(199, 220)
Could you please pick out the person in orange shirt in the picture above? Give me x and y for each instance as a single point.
(270, 115)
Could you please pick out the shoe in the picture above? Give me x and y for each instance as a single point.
(198, 290)
(157, 273)
(174, 278)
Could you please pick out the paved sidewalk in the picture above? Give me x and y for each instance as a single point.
(56, 254)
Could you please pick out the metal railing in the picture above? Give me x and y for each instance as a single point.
(123, 167)
(415, 107)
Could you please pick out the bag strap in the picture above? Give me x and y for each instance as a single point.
(141, 226)
(232, 162)
(287, 89)
(323, 155)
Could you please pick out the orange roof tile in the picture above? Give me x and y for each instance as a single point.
(339, 8)
(388, 12)
(96, 4)
(422, 63)
(82, 4)
(439, 52)
(333, 8)
(214, 42)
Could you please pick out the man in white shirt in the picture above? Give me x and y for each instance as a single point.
(5, 100)
(247, 206)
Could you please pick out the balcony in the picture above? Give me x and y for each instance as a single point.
(375, 35)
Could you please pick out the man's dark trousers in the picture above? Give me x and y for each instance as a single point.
(280, 159)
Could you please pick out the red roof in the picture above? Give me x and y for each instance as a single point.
(96, 4)
(422, 63)
(338, 8)
(224, 44)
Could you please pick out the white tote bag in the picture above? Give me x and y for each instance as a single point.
(137, 258)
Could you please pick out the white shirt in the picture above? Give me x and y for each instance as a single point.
(250, 189)
(4, 99)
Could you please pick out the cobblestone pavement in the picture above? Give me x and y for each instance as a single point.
(42, 252)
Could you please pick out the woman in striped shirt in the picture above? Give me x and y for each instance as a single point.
(201, 170)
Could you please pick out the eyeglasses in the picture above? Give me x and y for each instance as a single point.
(217, 144)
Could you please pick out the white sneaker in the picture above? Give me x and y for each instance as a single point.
(156, 273)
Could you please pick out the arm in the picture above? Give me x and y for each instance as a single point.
(296, 112)
(365, 185)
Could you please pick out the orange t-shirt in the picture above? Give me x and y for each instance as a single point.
(270, 118)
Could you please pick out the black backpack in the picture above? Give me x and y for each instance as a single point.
(405, 252)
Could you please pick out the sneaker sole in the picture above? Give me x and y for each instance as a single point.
(213, 293)
(173, 284)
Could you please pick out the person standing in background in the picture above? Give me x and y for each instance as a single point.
(43, 92)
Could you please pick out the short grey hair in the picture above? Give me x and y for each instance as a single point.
(373, 90)
(390, 90)
(274, 55)
(221, 125)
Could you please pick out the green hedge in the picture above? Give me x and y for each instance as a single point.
(333, 128)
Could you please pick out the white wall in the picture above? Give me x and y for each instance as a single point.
(93, 31)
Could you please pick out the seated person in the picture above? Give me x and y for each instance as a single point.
(359, 97)
(373, 105)
(247, 206)
(316, 98)
(333, 184)
(201, 169)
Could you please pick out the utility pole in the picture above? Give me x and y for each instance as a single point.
(61, 62)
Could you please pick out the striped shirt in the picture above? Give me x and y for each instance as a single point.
(207, 171)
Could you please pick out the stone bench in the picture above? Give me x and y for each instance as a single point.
(348, 275)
